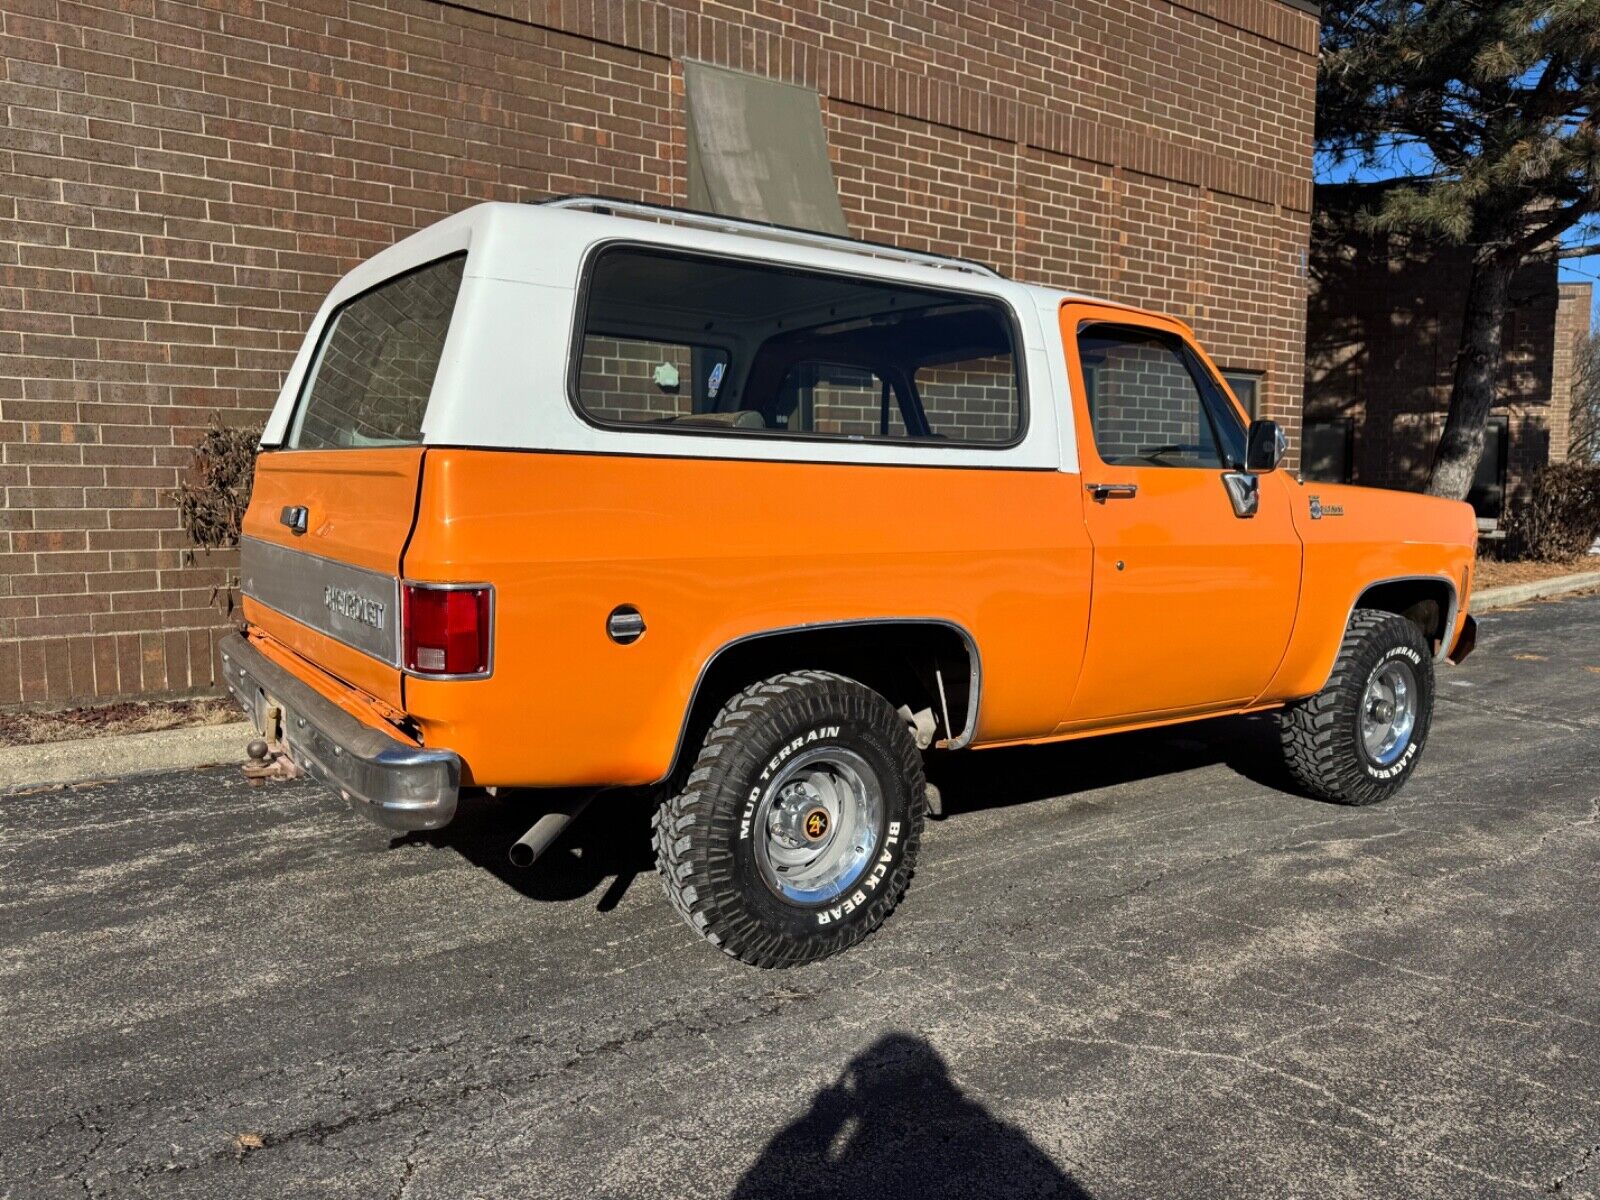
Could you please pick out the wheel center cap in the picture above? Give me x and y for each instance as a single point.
(1382, 710)
(815, 824)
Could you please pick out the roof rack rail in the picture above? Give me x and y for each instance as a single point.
(748, 227)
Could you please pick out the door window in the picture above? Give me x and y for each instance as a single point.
(1151, 404)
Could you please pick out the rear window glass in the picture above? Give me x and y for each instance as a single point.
(374, 370)
(681, 342)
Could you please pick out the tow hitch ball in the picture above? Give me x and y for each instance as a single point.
(269, 760)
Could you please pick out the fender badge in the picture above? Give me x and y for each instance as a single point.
(1320, 510)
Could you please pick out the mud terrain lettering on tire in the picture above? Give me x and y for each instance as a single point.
(827, 731)
(754, 798)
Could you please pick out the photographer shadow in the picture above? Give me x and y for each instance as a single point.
(894, 1124)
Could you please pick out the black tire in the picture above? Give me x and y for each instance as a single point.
(706, 843)
(1323, 745)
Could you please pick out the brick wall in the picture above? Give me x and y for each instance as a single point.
(1574, 305)
(1384, 326)
(183, 182)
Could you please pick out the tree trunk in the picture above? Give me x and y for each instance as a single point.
(1477, 376)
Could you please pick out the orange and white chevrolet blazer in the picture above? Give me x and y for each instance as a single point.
(588, 494)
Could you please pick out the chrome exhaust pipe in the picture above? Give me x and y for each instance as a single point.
(526, 850)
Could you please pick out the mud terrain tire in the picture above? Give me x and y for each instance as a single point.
(1337, 744)
(797, 831)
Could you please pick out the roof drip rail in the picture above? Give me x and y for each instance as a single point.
(746, 227)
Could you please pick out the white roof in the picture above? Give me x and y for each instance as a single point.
(512, 330)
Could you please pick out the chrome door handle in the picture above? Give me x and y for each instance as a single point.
(294, 516)
(1102, 491)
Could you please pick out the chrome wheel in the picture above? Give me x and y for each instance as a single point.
(817, 825)
(1389, 711)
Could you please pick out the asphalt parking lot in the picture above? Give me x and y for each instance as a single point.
(1132, 967)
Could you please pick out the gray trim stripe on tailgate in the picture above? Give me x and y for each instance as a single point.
(352, 605)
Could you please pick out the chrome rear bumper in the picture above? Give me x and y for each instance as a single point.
(401, 786)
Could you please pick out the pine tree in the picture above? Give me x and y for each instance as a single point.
(1488, 110)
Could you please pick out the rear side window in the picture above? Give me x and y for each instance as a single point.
(825, 398)
(677, 342)
(374, 370)
(649, 379)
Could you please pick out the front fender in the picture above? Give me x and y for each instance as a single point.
(1356, 538)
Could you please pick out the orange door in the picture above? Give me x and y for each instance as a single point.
(1192, 603)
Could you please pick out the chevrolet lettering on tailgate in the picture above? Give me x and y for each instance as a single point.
(349, 603)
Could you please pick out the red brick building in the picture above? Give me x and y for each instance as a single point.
(1383, 328)
(183, 181)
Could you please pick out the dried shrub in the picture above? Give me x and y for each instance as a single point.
(212, 500)
(1560, 520)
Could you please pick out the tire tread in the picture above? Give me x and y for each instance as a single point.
(697, 875)
(1315, 733)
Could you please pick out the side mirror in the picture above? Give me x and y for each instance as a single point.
(1265, 447)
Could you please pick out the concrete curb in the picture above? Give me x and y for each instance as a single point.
(1515, 593)
(50, 763)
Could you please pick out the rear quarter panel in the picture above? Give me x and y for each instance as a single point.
(1375, 535)
(709, 551)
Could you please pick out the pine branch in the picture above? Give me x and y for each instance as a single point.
(1542, 235)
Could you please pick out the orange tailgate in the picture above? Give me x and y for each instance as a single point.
(331, 593)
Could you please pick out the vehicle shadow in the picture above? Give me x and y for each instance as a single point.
(895, 1124)
(610, 840)
(1247, 745)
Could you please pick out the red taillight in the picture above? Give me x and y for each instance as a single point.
(446, 629)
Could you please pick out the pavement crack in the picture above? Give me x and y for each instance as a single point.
(446, 1098)
(1560, 1182)
(410, 1168)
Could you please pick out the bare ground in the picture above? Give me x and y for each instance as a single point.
(69, 724)
(1494, 573)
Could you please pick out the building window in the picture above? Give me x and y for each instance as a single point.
(1246, 386)
(1327, 449)
(1488, 494)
